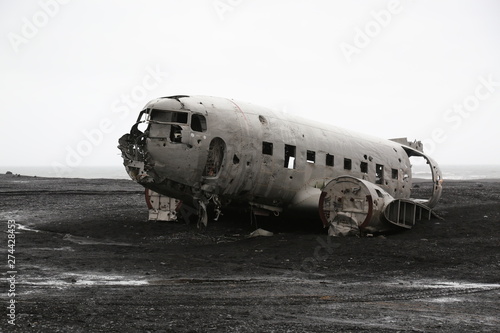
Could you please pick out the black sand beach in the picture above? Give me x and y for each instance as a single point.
(86, 260)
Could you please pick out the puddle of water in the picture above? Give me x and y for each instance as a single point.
(456, 285)
(96, 279)
(105, 280)
(201, 280)
(25, 228)
(444, 300)
(76, 239)
(76, 279)
(432, 284)
(65, 248)
(92, 241)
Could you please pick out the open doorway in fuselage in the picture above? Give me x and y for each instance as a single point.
(215, 159)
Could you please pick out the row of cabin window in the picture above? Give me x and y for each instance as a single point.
(290, 155)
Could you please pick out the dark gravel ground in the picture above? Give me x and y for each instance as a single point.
(88, 261)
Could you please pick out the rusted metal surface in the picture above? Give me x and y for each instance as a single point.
(205, 150)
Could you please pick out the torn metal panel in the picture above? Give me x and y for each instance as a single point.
(161, 208)
(417, 145)
(261, 232)
(201, 149)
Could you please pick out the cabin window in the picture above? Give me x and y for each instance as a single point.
(198, 123)
(311, 156)
(329, 160)
(347, 164)
(394, 173)
(364, 167)
(379, 174)
(290, 156)
(267, 148)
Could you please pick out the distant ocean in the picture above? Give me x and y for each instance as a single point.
(469, 172)
(460, 172)
(109, 172)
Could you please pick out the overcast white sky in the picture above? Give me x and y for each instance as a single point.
(427, 70)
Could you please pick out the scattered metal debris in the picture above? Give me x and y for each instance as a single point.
(261, 232)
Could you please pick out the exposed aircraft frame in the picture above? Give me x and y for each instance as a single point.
(201, 149)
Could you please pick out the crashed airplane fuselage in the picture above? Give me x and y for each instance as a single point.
(201, 149)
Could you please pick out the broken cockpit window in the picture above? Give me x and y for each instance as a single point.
(142, 121)
(167, 124)
(168, 117)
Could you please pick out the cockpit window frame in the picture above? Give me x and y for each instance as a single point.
(174, 113)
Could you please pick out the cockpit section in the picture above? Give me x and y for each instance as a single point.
(164, 135)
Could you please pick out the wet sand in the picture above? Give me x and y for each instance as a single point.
(88, 261)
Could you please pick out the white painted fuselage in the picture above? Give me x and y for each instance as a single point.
(198, 148)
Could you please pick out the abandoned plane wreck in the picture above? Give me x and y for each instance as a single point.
(213, 152)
